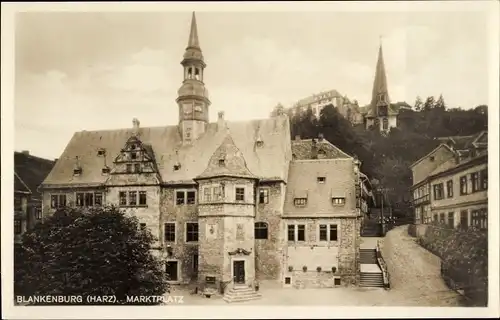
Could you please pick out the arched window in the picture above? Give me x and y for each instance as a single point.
(197, 74)
(385, 124)
(261, 230)
(190, 73)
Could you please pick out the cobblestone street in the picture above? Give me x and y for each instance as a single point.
(414, 272)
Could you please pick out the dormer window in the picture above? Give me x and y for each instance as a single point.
(300, 202)
(259, 143)
(77, 171)
(222, 162)
(321, 153)
(133, 155)
(133, 146)
(106, 170)
(338, 201)
(177, 166)
(321, 179)
(432, 158)
(101, 152)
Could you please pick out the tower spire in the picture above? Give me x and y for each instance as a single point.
(193, 35)
(380, 93)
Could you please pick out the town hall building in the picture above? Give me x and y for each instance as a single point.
(231, 203)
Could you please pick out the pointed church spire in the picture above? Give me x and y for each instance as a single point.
(193, 35)
(380, 93)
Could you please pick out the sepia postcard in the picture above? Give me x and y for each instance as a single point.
(250, 160)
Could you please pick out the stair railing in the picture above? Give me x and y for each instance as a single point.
(383, 267)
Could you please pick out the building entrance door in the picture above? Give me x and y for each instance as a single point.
(239, 271)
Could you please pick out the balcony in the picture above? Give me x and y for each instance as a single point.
(422, 200)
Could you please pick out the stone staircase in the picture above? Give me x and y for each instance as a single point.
(241, 294)
(371, 279)
(374, 277)
(368, 256)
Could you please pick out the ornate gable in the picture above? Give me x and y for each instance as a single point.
(134, 164)
(227, 160)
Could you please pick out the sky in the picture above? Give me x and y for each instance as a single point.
(98, 70)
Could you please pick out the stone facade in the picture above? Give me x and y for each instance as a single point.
(219, 197)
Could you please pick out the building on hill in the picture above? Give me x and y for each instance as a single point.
(450, 183)
(229, 202)
(29, 173)
(347, 108)
(380, 113)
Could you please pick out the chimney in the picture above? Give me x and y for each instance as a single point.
(136, 124)
(320, 137)
(26, 152)
(220, 120)
(297, 137)
(314, 150)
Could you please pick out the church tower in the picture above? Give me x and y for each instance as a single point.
(193, 98)
(381, 113)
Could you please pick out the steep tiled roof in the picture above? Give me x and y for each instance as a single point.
(31, 170)
(233, 162)
(314, 97)
(19, 185)
(269, 161)
(302, 149)
(302, 182)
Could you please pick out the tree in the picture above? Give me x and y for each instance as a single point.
(429, 104)
(440, 104)
(96, 252)
(418, 104)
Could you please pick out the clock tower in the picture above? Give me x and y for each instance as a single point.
(193, 98)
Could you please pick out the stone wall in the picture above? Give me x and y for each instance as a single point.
(180, 214)
(349, 251)
(269, 253)
(312, 279)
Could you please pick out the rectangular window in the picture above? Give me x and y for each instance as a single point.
(463, 185)
(192, 232)
(441, 217)
(180, 197)
(18, 203)
(435, 217)
(123, 198)
(449, 188)
(323, 232)
(58, 200)
(38, 213)
(264, 195)
(474, 177)
(89, 199)
(240, 194)
(132, 198)
(301, 232)
(129, 168)
(338, 201)
(207, 194)
(137, 168)
(79, 199)
(333, 232)
(464, 219)
(170, 232)
(300, 202)
(98, 199)
(321, 179)
(133, 155)
(484, 179)
(191, 197)
(143, 198)
(260, 231)
(291, 232)
(18, 227)
(217, 193)
(438, 191)
(451, 219)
